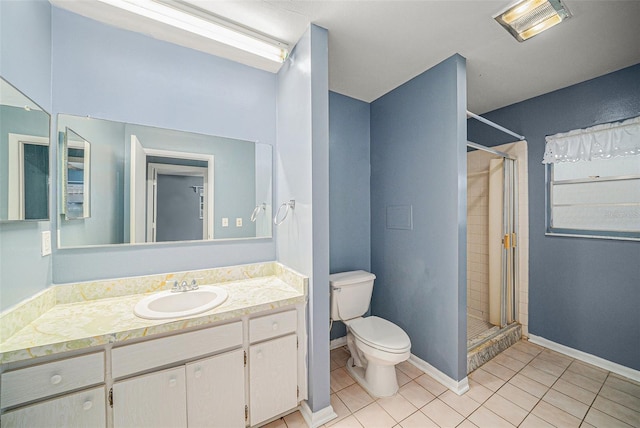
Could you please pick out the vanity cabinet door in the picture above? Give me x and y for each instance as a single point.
(153, 400)
(273, 382)
(82, 409)
(215, 391)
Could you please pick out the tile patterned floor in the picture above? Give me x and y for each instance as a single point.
(525, 386)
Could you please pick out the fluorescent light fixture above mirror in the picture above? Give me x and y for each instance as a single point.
(197, 21)
(527, 18)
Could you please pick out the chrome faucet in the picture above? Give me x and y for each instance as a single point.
(183, 286)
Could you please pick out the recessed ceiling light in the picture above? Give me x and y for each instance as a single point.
(185, 17)
(527, 18)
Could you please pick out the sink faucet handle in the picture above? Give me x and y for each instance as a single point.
(175, 287)
(194, 284)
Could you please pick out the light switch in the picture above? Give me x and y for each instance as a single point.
(46, 243)
(225, 222)
(239, 222)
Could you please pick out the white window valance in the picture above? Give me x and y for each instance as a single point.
(597, 142)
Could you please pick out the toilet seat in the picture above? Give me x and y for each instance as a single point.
(380, 334)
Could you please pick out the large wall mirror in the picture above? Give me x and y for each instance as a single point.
(24, 157)
(135, 184)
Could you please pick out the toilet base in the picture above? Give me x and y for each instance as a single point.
(377, 380)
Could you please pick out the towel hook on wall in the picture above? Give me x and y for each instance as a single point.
(289, 206)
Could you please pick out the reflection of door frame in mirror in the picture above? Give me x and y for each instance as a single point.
(156, 169)
(15, 171)
(138, 187)
(85, 146)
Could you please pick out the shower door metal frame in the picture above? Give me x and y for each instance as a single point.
(510, 251)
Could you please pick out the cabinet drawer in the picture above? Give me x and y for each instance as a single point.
(31, 383)
(82, 409)
(147, 355)
(269, 326)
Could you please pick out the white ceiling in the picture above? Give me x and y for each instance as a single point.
(375, 46)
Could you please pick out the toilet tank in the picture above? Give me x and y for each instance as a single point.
(350, 294)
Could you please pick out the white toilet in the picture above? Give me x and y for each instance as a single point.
(376, 345)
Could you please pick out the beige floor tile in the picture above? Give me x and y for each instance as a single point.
(601, 420)
(418, 420)
(340, 379)
(574, 391)
(620, 397)
(509, 362)
(498, 370)
(333, 364)
(442, 414)
(397, 406)
(539, 376)
(624, 385)
(354, 397)
(518, 397)
(409, 369)
(506, 409)
(532, 421)
(403, 379)
(555, 416)
(295, 420)
(588, 370)
(581, 381)
(566, 403)
(478, 392)
(518, 355)
(462, 404)
(529, 385)
(348, 422)
(339, 408)
(374, 416)
(416, 394)
(430, 384)
(528, 347)
(547, 366)
(618, 411)
(340, 353)
(467, 424)
(586, 425)
(486, 379)
(278, 423)
(485, 418)
(556, 358)
(619, 376)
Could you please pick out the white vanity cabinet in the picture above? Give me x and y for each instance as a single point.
(273, 368)
(82, 409)
(152, 400)
(35, 394)
(208, 392)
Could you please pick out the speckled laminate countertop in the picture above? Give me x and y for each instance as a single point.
(82, 324)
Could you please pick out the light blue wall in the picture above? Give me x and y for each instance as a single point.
(349, 188)
(302, 174)
(119, 75)
(583, 293)
(418, 159)
(25, 61)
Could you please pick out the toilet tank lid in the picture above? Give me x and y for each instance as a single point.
(346, 278)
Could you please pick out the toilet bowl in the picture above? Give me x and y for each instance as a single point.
(376, 345)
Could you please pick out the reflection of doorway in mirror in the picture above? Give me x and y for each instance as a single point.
(175, 202)
(28, 177)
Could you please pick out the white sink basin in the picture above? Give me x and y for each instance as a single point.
(168, 304)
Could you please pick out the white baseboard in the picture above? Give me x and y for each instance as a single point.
(587, 358)
(319, 418)
(336, 343)
(459, 387)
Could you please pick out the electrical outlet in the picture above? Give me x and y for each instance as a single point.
(225, 222)
(239, 222)
(46, 243)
